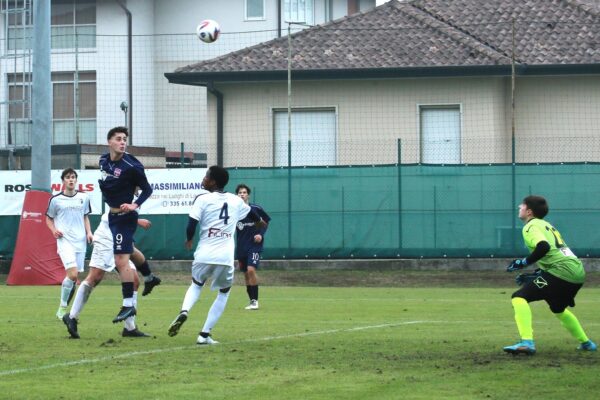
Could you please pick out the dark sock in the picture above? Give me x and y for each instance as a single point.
(253, 292)
(145, 269)
(72, 293)
(249, 291)
(204, 334)
(127, 289)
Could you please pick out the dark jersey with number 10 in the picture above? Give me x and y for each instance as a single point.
(246, 231)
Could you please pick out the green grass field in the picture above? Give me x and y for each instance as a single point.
(304, 343)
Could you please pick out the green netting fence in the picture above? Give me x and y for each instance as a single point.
(397, 211)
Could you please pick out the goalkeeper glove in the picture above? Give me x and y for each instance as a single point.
(525, 278)
(516, 265)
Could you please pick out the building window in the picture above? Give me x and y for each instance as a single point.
(74, 108)
(19, 109)
(255, 10)
(440, 128)
(313, 137)
(73, 24)
(299, 11)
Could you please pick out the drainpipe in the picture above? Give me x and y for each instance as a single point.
(279, 18)
(219, 96)
(129, 68)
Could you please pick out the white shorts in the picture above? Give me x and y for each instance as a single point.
(72, 256)
(103, 258)
(221, 275)
(72, 259)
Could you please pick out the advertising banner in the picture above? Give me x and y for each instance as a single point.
(174, 190)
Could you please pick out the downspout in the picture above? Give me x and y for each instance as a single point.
(219, 96)
(279, 18)
(129, 68)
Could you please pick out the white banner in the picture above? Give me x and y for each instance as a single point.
(174, 190)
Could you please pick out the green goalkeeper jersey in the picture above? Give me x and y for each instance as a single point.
(560, 260)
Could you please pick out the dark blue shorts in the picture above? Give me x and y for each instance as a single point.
(123, 226)
(251, 259)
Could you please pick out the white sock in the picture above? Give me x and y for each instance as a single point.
(65, 291)
(191, 297)
(81, 297)
(130, 321)
(215, 312)
(128, 302)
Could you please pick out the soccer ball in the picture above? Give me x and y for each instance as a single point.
(208, 31)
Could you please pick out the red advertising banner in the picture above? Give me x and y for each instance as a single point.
(35, 260)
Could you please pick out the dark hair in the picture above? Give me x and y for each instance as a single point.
(537, 205)
(67, 172)
(219, 175)
(115, 130)
(242, 186)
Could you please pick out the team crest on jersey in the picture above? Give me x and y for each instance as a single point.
(540, 282)
(117, 172)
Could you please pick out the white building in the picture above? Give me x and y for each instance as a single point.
(90, 62)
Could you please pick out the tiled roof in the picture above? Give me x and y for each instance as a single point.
(432, 33)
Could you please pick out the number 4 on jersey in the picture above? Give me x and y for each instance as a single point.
(224, 214)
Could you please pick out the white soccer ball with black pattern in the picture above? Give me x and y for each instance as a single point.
(208, 31)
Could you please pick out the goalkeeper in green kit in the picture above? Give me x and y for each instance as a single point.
(558, 280)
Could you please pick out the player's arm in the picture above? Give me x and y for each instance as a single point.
(50, 224)
(532, 235)
(86, 221)
(540, 250)
(50, 214)
(144, 186)
(141, 185)
(144, 223)
(259, 223)
(88, 229)
(265, 217)
(190, 231)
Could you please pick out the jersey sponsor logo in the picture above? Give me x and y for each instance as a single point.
(216, 232)
(240, 225)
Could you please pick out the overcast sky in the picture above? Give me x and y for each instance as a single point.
(379, 2)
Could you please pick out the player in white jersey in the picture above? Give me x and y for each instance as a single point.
(217, 213)
(101, 262)
(67, 218)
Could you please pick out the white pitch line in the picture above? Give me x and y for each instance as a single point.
(173, 349)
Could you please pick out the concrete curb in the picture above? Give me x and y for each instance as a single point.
(434, 264)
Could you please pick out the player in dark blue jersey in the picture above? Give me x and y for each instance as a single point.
(249, 245)
(122, 176)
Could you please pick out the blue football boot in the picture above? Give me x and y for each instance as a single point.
(588, 346)
(523, 347)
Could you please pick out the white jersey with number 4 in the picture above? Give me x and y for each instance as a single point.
(217, 214)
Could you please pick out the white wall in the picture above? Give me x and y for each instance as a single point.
(559, 112)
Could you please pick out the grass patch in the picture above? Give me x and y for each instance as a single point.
(306, 342)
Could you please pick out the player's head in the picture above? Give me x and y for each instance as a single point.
(69, 178)
(243, 191)
(533, 207)
(216, 178)
(117, 139)
(116, 130)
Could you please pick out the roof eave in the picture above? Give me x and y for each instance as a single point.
(204, 78)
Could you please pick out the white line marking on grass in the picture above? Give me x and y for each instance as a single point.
(179, 348)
